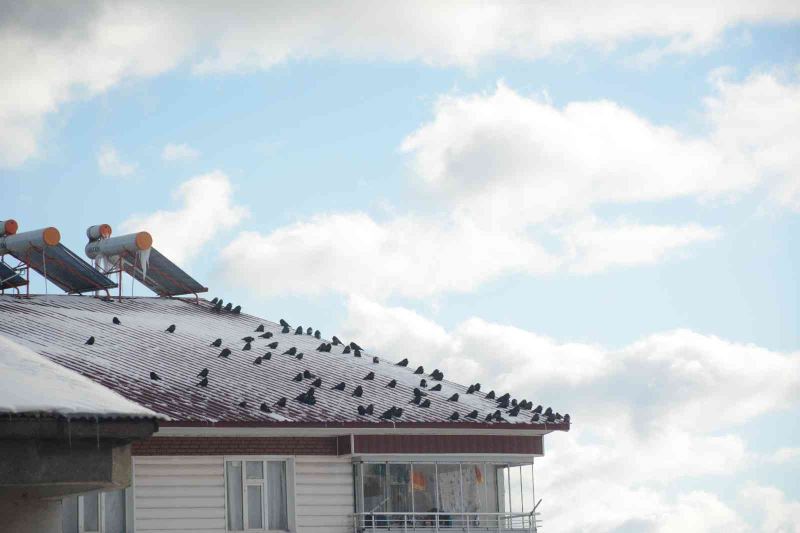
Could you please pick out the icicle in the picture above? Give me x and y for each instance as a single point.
(144, 260)
(97, 430)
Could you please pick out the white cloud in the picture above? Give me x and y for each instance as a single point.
(110, 164)
(664, 409)
(784, 455)
(780, 514)
(175, 152)
(207, 208)
(58, 54)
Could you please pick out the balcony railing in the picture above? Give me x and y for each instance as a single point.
(447, 522)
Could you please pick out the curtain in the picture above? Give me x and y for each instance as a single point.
(276, 490)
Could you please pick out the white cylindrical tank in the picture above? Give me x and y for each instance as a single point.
(113, 246)
(8, 227)
(100, 231)
(20, 243)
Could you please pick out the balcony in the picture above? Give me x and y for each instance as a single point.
(447, 522)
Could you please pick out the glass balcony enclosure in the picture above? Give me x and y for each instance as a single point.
(432, 496)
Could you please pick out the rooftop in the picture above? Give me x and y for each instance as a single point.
(180, 374)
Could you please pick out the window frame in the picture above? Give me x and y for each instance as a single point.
(288, 460)
(101, 510)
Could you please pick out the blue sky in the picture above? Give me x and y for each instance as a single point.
(313, 165)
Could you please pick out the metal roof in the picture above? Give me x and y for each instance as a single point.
(123, 356)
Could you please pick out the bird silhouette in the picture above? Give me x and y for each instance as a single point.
(392, 384)
(503, 403)
(286, 329)
(472, 414)
(453, 398)
(336, 341)
(340, 386)
(265, 408)
(267, 356)
(309, 331)
(243, 404)
(259, 328)
(283, 323)
(248, 339)
(154, 376)
(356, 353)
(317, 334)
(298, 377)
(346, 349)
(566, 418)
(376, 360)
(490, 395)
(551, 417)
(299, 330)
(281, 402)
(436, 387)
(171, 329)
(489, 417)
(504, 397)
(454, 416)
(362, 410)
(538, 409)
(317, 382)
(514, 411)
(355, 346)
(370, 376)
(425, 403)
(299, 356)
(370, 409)
(437, 375)
(419, 370)
(237, 309)
(423, 383)
(404, 362)
(535, 417)
(89, 341)
(308, 375)
(225, 352)
(389, 413)
(203, 383)
(290, 351)
(272, 345)
(203, 373)
(116, 321)
(217, 343)
(246, 347)
(265, 335)
(257, 360)
(228, 306)
(358, 391)
(218, 306)
(548, 411)
(215, 300)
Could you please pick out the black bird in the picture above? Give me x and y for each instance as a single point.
(317, 334)
(535, 417)
(215, 300)
(392, 384)
(323, 348)
(246, 347)
(317, 382)
(551, 417)
(281, 402)
(376, 360)
(298, 377)
(454, 416)
(237, 309)
(423, 383)
(243, 404)
(436, 387)
(470, 389)
(257, 360)
(477, 387)
(548, 411)
(355, 346)
(299, 330)
(498, 416)
(362, 410)
(264, 407)
(503, 404)
(228, 306)
(425, 403)
(299, 356)
(358, 391)
(418, 392)
(154, 376)
(346, 349)
(89, 341)
(308, 375)
(391, 413)
(203, 373)
(203, 383)
(489, 417)
(267, 356)
(248, 339)
(266, 335)
(336, 341)
(356, 353)
(218, 306)
(398, 412)
(286, 329)
(171, 329)
(260, 328)
(490, 395)
(283, 323)
(309, 331)
(566, 418)
(225, 352)
(217, 343)
(272, 345)
(472, 414)
(514, 411)
(370, 409)
(290, 351)
(453, 398)
(437, 375)
(307, 397)
(419, 370)
(558, 416)
(116, 321)
(416, 400)
(504, 397)
(340, 386)
(513, 402)
(370, 376)
(538, 409)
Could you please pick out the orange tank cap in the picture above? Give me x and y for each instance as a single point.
(51, 236)
(10, 226)
(144, 240)
(105, 231)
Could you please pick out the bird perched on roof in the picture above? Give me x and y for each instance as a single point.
(203, 383)
(215, 300)
(218, 306)
(228, 306)
(116, 321)
(490, 395)
(355, 346)
(225, 352)
(336, 341)
(217, 343)
(514, 411)
(267, 356)
(566, 418)
(243, 404)
(392, 412)
(538, 409)
(535, 417)
(307, 397)
(265, 335)
(259, 328)
(370, 376)
(308, 375)
(358, 392)
(346, 349)
(340, 386)
(299, 356)
(171, 329)
(472, 414)
(257, 360)
(376, 360)
(437, 374)
(454, 416)
(423, 383)
(237, 309)
(551, 417)
(246, 347)
(548, 411)
(265, 408)
(89, 341)
(317, 382)
(281, 402)
(473, 388)
(283, 323)
(436, 387)
(286, 329)
(392, 384)
(290, 351)
(298, 377)
(356, 353)
(299, 330)
(498, 416)
(362, 410)
(324, 347)
(425, 403)
(203, 373)
(453, 398)
(248, 339)
(154, 376)
(419, 370)
(309, 331)
(513, 402)
(504, 397)
(416, 400)
(489, 417)
(317, 334)
(503, 403)
(272, 345)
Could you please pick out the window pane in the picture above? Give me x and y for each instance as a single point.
(527, 488)
(255, 470)
(503, 497)
(423, 484)
(234, 481)
(515, 489)
(473, 484)
(114, 507)
(375, 498)
(254, 507)
(449, 482)
(399, 488)
(69, 514)
(491, 494)
(91, 511)
(276, 491)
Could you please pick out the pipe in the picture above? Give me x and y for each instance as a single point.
(113, 246)
(8, 227)
(100, 231)
(20, 243)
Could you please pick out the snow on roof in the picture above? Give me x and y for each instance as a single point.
(123, 356)
(33, 385)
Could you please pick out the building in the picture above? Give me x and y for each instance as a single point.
(275, 427)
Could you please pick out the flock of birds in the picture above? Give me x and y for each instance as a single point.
(505, 402)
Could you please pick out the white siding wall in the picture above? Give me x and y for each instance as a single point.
(187, 493)
(324, 494)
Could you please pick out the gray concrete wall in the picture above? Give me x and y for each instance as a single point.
(30, 516)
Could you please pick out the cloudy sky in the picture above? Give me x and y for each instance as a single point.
(595, 205)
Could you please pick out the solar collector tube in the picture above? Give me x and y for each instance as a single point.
(21, 243)
(115, 246)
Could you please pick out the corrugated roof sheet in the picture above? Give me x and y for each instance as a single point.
(123, 356)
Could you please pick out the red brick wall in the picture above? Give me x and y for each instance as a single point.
(236, 446)
(510, 444)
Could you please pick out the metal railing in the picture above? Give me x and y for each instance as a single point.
(446, 522)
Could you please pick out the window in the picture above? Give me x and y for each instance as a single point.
(94, 512)
(256, 495)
